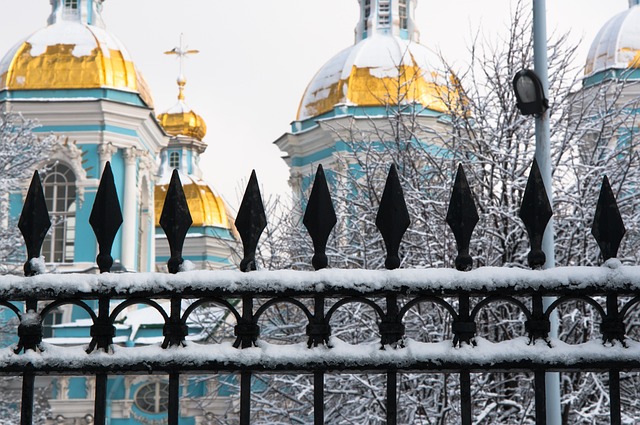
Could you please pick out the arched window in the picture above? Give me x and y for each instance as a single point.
(403, 14)
(71, 8)
(59, 185)
(174, 160)
(153, 397)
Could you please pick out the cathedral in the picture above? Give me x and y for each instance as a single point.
(79, 82)
(385, 71)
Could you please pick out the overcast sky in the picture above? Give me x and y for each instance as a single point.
(257, 57)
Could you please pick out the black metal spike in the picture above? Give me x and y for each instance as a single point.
(175, 221)
(250, 222)
(462, 217)
(106, 218)
(319, 218)
(393, 218)
(34, 222)
(608, 227)
(535, 213)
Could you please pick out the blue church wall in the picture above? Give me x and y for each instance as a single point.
(76, 331)
(115, 388)
(190, 169)
(90, 160)
(360, 112)
(78, 388)
(612, 74)
(117, 167)
(85, 241)
(15, 205)
(198, 258)
(98, 94)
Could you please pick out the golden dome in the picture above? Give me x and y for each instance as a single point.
(181, 121)
(378, 71)
(71, 55)
(617, 44)
(206, 208)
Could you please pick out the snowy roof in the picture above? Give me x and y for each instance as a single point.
(362, 75)
(617, 44)
(611, 276)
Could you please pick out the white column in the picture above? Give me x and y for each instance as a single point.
(129, 210)
(105, 152)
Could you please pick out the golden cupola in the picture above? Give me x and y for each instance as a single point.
(385, 66)
(183, 154)
(616, 47)
(182, 120)
(73, 52)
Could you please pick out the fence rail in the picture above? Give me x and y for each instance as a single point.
(613, 291)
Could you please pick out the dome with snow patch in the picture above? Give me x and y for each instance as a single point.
(617, 44)
(386, 66)
(181, 120)
(378, 71)
(73, 52)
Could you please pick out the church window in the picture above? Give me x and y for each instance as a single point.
(403, 14)
(59, 185)
(49, 321)
(384, 8)
(153, 397)
(367, 13)
(174, 160)
(71, 8)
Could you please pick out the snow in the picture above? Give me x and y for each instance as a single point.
(415, 355)
(366, 54)
(611, 276)
(485, 355)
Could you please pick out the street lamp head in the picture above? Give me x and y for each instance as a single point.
(529, 93)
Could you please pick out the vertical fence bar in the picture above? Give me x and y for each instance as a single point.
(174, 398)
(392, 397)
(614, 397)
(28, 389)
(245, 375)
(100, 404)
(539, 387)
(28, 378)
(318, 397)
(245, 397)
(466, 410)
(318, 375)
(465, 397)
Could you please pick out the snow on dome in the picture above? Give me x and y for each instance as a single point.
(71, 55)
(617, 45)
(181, 120)
(206, 207)
(368, 74)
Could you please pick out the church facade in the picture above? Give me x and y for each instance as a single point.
(79, 83)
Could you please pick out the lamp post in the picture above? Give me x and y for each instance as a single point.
(531, 92)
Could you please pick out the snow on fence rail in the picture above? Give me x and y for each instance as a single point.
(612, 291)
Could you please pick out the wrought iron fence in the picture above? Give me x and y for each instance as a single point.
(612, 291)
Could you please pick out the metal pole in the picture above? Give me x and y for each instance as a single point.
(543, 156)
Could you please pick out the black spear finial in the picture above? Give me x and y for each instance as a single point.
(535, 212)
(319, 219)
(34, 222)
(608, 227)
(393, 218)
(106, 218)
(462, 217)
(175, 221)
(250, 222)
